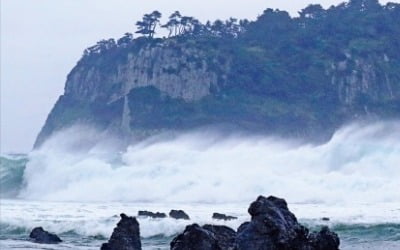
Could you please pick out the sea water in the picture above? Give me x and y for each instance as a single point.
(76, 187)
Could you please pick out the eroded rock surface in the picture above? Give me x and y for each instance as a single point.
(126, 236)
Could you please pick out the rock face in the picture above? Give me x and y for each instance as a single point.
(273, 226)
(218, 216)
(96, 89)
(178, 71)
(207, 237)
(126, 236)
(225, 236)
(39, 235)
(152, 215)
(179, 214)
(147, 86)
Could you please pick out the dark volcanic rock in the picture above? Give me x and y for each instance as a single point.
(39, 235)
(218, 216)
(195, 238)
(225, 236)
(325, 219)
(178, 214)
(151, 214)
(126, 236)
(208, 237)
(324, 239)
(273, 226)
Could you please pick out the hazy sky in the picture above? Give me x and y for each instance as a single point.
(41, 40)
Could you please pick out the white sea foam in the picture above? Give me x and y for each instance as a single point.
(98, 218)
(360, 164)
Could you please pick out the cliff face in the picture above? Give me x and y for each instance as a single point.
(98, 89)
(164, 86)
(364, 78)
(297, 77)
(179, 72)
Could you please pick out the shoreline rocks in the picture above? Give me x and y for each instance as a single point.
(218, 216)
(179, 215)
(39, 235)
(126, 236)
(272, 227)
(156, 215)
(206, 237)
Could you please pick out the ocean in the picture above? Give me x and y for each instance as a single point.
(76, 187)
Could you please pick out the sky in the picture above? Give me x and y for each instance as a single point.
(42, 40)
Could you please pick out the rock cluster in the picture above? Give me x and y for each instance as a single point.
(272, 227)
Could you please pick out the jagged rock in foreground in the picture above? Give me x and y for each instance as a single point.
(39, 235)
(179, 214)
(203, 238)
(218, 216)
(273, 226)
(126, 236)
(152, 215)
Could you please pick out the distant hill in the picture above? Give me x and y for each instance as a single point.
(297, 77)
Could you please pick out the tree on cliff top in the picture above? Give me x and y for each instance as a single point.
(149, 24)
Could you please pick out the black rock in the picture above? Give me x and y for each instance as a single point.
(178, 214)
(208, 237)
(39, 235)
(218, 216)
(225, 236)
(325, 219)
(324, 239)
(195, 238)
(126, 236)
(273, 226)
(151, 214)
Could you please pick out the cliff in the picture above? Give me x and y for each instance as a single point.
(300, 77)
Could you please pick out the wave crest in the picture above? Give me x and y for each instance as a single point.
(359, 164)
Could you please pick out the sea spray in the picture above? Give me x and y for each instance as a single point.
(359, 164)
(12, 168)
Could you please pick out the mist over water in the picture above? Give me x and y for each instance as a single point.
(360, 164)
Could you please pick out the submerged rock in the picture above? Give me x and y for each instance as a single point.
(126, 236)
(151, 214)
(208, 237)
(179, 214)
(218, 216)
(39, 235)
(273, 226)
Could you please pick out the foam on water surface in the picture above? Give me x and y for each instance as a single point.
(89, 224)
(76, 186)
(359, 164)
